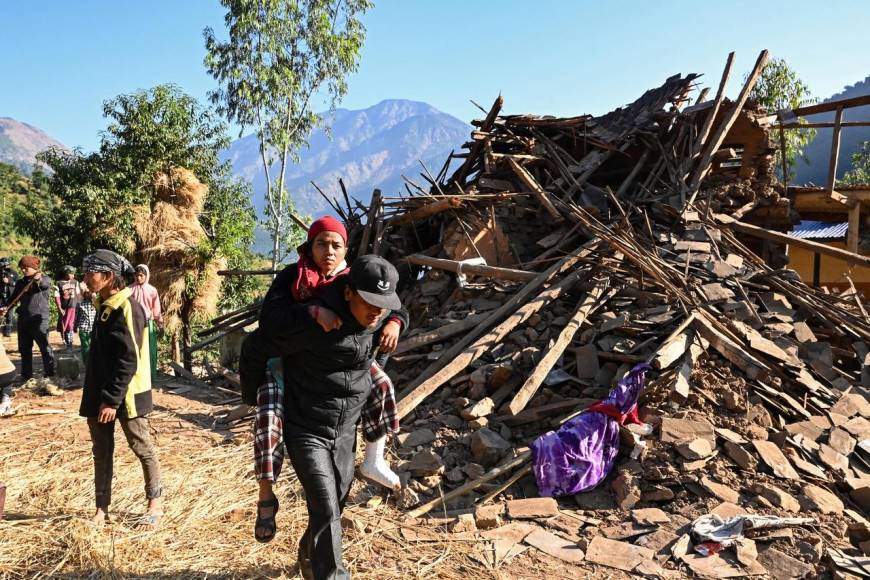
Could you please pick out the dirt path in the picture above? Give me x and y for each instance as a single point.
(45, 461)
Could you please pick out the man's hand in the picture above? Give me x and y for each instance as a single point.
(326, 318)
(107, 414)
(390, 336)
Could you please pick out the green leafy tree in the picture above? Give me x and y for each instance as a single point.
(283, 58)
(860, 172)
(92, 197)
(778, 88)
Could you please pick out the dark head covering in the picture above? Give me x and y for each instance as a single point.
(108, 261)
(68, 269)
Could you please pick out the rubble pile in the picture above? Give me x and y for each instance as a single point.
(563, 252)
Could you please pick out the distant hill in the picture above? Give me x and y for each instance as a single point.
(20, 142)
(819, 151)
(369, 148)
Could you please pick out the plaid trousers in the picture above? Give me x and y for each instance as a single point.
(378, 417)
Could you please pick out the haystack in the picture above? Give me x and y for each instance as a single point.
(170, 239)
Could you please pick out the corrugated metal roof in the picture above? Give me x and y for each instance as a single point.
(812, 230)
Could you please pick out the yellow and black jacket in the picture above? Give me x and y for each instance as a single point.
(118, 369)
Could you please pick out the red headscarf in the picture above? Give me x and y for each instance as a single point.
(309, 279)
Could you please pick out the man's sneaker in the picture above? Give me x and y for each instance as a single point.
(6, 407)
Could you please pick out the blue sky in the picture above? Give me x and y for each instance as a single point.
(60, 59)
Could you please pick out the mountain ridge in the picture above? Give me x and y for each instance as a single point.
(20, 142)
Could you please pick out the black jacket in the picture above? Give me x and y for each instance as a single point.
(118, 369)
(280, 310)
(326, 374)
(34, 302)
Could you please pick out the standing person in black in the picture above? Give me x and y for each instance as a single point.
(32, 316)
(327, 379)
(7, 285)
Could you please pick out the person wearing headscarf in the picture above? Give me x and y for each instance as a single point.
(67, 294)
(32, 293)
(147, 297)
(118, 382)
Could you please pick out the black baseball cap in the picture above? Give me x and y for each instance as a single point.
(375, 279)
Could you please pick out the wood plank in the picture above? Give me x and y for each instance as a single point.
(534, 186)
(718, 137)
(440, 333)
(835, 151)
(459, 267)
(846, 256)
(717, 102)
(444, 368)
(831, 106)
(425, 211)
(853, 234)
(533, 383)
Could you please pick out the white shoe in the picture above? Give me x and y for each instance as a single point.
(6, 407)
(375, 468)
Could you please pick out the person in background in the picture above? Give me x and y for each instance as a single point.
(7, 285)
(118, 383)
(147, 297)
(85, 316)
(7, 375)
(33, 288)
(67, 294)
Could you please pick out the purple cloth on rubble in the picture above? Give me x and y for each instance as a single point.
(581, 453)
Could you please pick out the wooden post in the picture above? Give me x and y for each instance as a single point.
(852, 235)
(533, 383)
(835, 151)
(718, 137)
(784, 154)
(459, 267)
(530, 182)
(717, 102)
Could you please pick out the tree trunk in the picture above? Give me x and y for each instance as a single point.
(187, 332)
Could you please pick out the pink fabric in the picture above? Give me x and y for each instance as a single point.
(146, 295)
(68, 320)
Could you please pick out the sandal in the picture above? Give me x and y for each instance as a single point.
(266, 523)
(148, 522)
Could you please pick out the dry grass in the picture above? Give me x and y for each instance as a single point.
(208, 526)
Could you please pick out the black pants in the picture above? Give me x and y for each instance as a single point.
(325, 469)
(30, 331)
(6, 383)
(8, 323)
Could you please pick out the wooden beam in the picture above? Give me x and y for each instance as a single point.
(458, 361)
(425, 211)
(843, 125)
(459, 267)
(853, 233)
(718, 137)
(831, 106)
(439, 334)
(717, 102)
(835, 152)
(533, 185)
(515, 301)
(825, 250)
(549, 360)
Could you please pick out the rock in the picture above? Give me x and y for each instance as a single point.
(625, 488)
(726, 510)
(450, 421)
(650, 516)
(851, 404)
(463, 523)
(840, 441)
(482, 408)
(680, 430)
(455, 475)
(812, 549)
(695, 449)
(425, 463)
(833, 459)
(478, 423)
(586, 357)
(474, 470)
(596, 499)
(487, 446)
(773, 457)
(499, 376)
(615, 554)
(723, 492)
(488, 516)
(657, 493)
(416, 438)
(781, 566)
(777, 497)
(817, 499)
(731, 401)
(531, 508)
(657, 541)
(555, 546)
(740, 456)
(625, 531)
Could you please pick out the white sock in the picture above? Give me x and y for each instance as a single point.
(376, 468)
